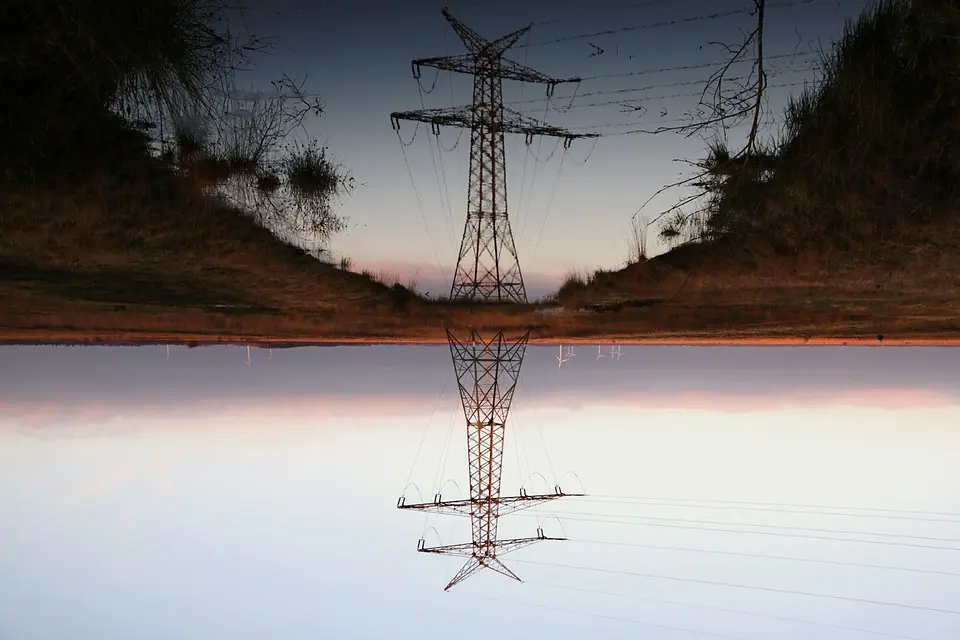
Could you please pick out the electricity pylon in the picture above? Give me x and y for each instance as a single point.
(488, 269)
(487, 372)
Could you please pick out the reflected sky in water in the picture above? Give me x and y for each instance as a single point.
(750, 493)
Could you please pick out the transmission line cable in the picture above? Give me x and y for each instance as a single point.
(600, 615)
(735, 585)
(669, 23)
(689, 67)
(766, 556)
(784, 504)
(766, 526)
(446, 208)
(416, 193)
(423, 437)
(779, 534)
(546, 213)
(771, 508)
(707, 607)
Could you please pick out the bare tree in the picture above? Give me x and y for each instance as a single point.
(726, 102)
(254, 150)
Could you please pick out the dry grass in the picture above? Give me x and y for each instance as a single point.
(111, 272)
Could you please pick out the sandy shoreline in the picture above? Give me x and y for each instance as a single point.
(133, 339)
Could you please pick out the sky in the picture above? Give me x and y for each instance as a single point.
(752, 493)
(569, 210)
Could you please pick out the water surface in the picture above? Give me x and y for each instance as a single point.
(734, 492)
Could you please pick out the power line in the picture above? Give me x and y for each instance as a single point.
(641, 72)
(765, 556)
(608, 103)
(416, 193)
(707, 504)
(783, 504)
(436, 159)
(592, 12)
(553, 193)
(682, 95)
(629, 90)
(603, 616)
(708, 607)
(779, 534)
(735, 585)
(670, 23)
(639, 27)
(423, 437)
(689, 67)
(766, 526)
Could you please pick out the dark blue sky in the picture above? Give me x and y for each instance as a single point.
(565, 214)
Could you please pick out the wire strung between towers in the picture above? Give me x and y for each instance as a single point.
(768, 556)
(601, 616)
(677, 21)
(663, 85)
(691, 67)
(769, 507)
(750, 587)
(784, 532)
(593, 147)
(626, 498)
(592, 12)
(416, 193)
(708, 607)
(764, 526)
(639, 27)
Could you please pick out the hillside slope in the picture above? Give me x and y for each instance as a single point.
(144, 245)
(857, 219)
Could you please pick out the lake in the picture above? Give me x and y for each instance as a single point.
(732, 492)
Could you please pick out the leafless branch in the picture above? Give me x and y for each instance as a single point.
(724, 103)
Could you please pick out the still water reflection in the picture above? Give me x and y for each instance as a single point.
(735, 493)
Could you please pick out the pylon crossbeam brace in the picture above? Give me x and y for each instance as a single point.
(477, 560)
(467, 507)
(507, 70)
(468, 550)
(468, 116)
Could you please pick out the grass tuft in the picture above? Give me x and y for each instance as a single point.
(311, 172)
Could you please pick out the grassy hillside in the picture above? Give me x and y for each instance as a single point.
(113, 167)
(852, 212)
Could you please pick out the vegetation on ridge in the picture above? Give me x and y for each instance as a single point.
(143, 93)
(846, 217)
(870, 150)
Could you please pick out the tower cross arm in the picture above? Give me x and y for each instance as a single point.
(505, 504)
(470, 117)
(502, 547)
(447, 117)
(506, 69)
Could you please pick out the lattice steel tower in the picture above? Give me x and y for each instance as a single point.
(487, 267)
(487, 372)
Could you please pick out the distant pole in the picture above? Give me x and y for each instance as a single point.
(488, 269)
